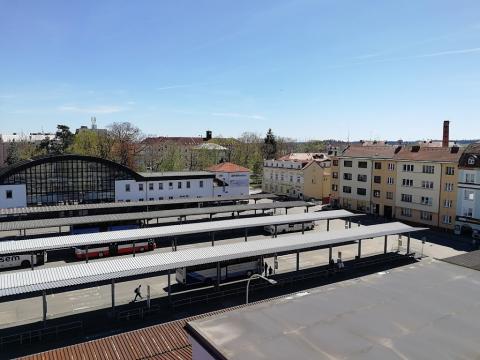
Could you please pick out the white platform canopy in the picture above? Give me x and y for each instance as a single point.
(68, 241)
(23, 282)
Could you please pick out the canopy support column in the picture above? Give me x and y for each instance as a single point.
(86, 254)
(330, 254)
(349, 222)
(275, 233)
(148, 297)
(286, 211)
(359, 249)
(408, 244)
(385, 244)
(298, 260)
(169, 286)
(246, 234)
(303, 228)
(213, 238)
(133, 248)
(113, 295)
(44, 303)
(328, 224)
(31, 260)
(219, 276)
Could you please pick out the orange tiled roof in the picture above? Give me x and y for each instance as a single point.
(228, 167)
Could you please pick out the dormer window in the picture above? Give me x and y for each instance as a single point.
(471, 160)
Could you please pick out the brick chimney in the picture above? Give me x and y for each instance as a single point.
(446, 133)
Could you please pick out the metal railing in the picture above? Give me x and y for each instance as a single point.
(43, 334)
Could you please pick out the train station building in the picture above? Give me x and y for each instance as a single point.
(78, 179)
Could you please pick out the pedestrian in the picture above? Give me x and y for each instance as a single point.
(265, 265)
(270, 271)
(138, 293)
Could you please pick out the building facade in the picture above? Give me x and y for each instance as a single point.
(468, 197)
(288, 175)
(78, 179)
(232, 179)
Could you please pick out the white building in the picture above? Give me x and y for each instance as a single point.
(468, 195)
(232, 179)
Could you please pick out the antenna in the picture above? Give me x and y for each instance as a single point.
(94, 123)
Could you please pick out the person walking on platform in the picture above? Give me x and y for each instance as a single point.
(265, 268)
(138, 293)
(270, 271)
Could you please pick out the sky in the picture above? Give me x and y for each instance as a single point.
(308, 69)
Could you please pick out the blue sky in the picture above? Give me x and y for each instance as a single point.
(306, 68)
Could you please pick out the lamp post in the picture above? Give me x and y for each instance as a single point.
(258, 276)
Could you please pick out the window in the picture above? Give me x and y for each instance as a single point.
(362, 164)
(141, 199)
(470, 178)
(427, 184)
(179, 185)
(406, 198)
(378, 165)
(390, 180)
(449, 187)
(8, 194)
(281, 177)
(376, 193)
(334, 187)
(406, 212)
(471, 160)
(362, 178)
(170, 185)
(347, 176)
(150, 186)
(188, 184)
(335, 175)
(127, 187)
(151, 199)
(140, 187)
(389, 195)
(298, 179)
(160, 198)
(469, 195)
(391, 166)
(347, 189)
(426, 200)
(450, 170)
(447, 219)
(428, 169)
(408, 167)
(468, 212)
(347, 163)
(447, 203)
(201, 183)
(377, 179)
(361, 191)
(425, 215)
(407, 182)
(276, 177)
(160, 186)
(291, 178)
(335, 162)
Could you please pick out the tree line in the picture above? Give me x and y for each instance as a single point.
(125, 144)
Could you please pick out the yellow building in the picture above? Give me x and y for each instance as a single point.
(298, 175)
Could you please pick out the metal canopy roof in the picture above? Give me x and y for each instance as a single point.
(67, 241)
(108, 218)
(23, 282)
(44, 209)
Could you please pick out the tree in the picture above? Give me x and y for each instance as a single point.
(269, 146)
(125, 142)
(86, 142)
(60, 143)
(13, 153)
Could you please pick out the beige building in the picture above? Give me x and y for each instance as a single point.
(298, 175)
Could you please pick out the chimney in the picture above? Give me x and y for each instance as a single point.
(208, 135)
(446, 133)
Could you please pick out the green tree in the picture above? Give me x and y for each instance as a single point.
(13, 153)
(269, 146)
(126, 142)
(86, 142)
(60, 143)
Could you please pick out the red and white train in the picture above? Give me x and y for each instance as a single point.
(113, 250)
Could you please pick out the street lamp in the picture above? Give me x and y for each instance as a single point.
(258, 276)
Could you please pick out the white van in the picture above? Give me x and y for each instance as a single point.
(10, 261)
(284, 228)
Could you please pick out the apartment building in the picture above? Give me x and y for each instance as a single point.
(288, 175)
(427, 185)
(468, 196)
(360, 179)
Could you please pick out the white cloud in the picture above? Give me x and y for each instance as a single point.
(169, 87)
(101, 109)
(237, 115)
(450, 52)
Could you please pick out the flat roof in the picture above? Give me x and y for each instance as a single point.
(25, 282)
(470, 260)
(54, 208)
(176, 175)
(67, 241)
(109, 218)
(428, 310)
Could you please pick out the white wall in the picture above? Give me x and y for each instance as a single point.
(19, 196)
(166, 193)
(238, 184)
